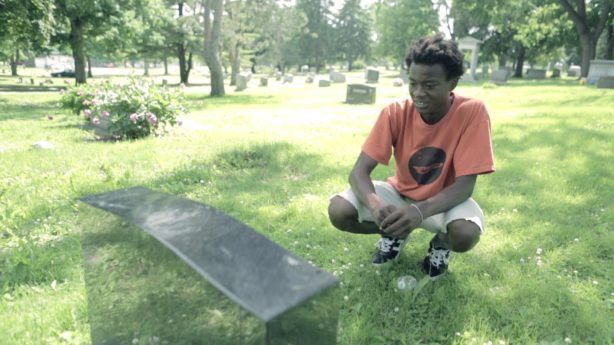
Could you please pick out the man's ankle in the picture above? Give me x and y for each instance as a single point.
(441, 241)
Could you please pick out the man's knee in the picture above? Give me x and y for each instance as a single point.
(463, 235)
(341, 213)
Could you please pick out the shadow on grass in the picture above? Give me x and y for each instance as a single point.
(30, 88)
(26, 111)
(201, 101)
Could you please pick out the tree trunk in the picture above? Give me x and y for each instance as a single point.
(519, 62)
(212, 44)
(165, 64)
(609, 43)
(589, 47)
(76, 44)
(183, 75)
(235, 63)
(13, 61)
(89, 66)
(146, 67)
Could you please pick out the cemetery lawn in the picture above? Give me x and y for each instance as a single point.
(272, 157)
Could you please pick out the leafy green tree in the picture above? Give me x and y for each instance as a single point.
(81, 16)
(399, 22)
(314, 39)
(242, 30)
(27, 25)
(353, 32)
(278, 41)
(589, 18)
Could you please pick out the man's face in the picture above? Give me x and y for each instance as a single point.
(430, 89)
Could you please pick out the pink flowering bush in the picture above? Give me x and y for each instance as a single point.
(134, 110)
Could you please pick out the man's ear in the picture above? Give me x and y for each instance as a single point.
(453, 83)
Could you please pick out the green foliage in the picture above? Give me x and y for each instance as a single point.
(353, 32)
(134, 110)
(315, 38)
(400, 22)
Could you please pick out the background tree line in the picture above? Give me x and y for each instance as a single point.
(229, 35)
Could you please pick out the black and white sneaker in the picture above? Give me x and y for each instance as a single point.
(388, 249)
(436, 262)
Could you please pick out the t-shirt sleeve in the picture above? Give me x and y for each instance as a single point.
(474, 153)
(380, 141)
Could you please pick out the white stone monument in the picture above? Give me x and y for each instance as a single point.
(600, 68)
(470, 43)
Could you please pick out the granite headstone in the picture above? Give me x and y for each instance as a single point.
(195, 276)
(605, 83)
(360, 94)
(372, 76)
(535, 73)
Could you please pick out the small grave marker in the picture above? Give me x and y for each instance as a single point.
(360, 94)
(605, 83)
(264, 81)
(499, 76)
(372, 76)
(323, 83)
(241, 82)
(534, 73)
(337, 77)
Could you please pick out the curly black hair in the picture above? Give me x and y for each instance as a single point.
(437, 50)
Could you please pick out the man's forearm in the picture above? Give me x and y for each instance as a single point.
(449, 197)
(363, 188)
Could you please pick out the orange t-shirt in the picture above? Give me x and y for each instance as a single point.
(431, 157)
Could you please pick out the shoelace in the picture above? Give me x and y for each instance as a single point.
(385, 244)
(439, 256)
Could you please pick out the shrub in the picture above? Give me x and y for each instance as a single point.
(134, 110)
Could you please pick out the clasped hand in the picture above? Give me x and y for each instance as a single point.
(395, 221)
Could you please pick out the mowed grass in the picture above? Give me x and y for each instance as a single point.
(271, 157)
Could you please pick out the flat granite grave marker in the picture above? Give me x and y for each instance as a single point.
(499, 76)
(605, 83)
(534, 73)
(337, 77)
(196, 276)
(360, 94)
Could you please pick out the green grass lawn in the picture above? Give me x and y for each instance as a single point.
(272, 157)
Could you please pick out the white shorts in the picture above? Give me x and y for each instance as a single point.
(467, 210)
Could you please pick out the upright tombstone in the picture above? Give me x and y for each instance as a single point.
(372, 76)
(360, 94)
(323, 83)
(164, 82)
(241, 82)
(304, 68)
(337, 77)
(605, 83)
(600, 68)
(288, 79)
(404, 75)
(556, 73)
(310, 78)
(499, 76)
(397, 82)
(574, 71)
(534, 73)
(195, 276)
(470, 43)
(264, 81)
